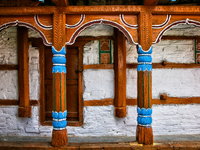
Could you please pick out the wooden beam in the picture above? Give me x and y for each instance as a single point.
(8, 102)
(98, 10)
(61, 3)
(166, 65)
(23, 72)
(120, 74)
(103, 102)
(99, 66)
(150, 2)
(8, 67)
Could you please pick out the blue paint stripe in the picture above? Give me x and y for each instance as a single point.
(59, 115)
(59, 124)
(144, 67)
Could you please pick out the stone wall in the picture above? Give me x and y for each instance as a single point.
(99, 84)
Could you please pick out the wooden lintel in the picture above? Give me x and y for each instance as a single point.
(150, 2)
(98, 10)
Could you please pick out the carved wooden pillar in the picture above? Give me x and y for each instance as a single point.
(59, 112)
(144, 133)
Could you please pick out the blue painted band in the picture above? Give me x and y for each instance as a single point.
(59, 60)
(144, 120)
(62, 51)
(144, 111)
(59, 124)
(59, 115)
(59, 69)
(144, 67)
(144, 58)
(140, 51)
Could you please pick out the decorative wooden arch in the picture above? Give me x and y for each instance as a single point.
(142, 25)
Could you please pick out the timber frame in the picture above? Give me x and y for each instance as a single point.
(141, 25)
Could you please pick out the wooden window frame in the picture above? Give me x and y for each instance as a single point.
(22, 67)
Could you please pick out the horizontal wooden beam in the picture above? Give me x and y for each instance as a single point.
(99, 66)
(179, 37)
(103, 9)
(133, 102)
(103, 102)
(7, 102)
(166, 65)
(8, 67)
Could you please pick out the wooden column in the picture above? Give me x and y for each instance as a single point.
(24, 109)
(120, 74)
(144, 133)
(59, 112)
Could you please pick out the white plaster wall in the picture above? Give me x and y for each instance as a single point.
(183, 29)
(91, 53)
(100, 121)
(98, 84)
(98, 30)
(9, 84)
(8, 46)
(173, 51)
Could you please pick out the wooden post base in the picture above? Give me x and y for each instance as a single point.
(120, 112)
(144, 135)
(59, 138)
(24, 111)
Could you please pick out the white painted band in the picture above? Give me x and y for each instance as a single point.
(144, 116)
(59, 128)
(59, 64)
(56, 55)
(59, 119)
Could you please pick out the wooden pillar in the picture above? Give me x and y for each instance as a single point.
(120, 74)
(59, 112)
(144, 133)
(24, 109)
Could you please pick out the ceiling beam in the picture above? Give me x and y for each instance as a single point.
(150, 2)
(62, 3)
(99, 10)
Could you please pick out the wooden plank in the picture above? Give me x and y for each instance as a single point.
(8, 67)
(120, 74)
(99, 10)
(175, 37)
(99, 66)
(23, 72)
(132, 9)
(133, 101)
(103, 102)
(167, 65)
(7, 102)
